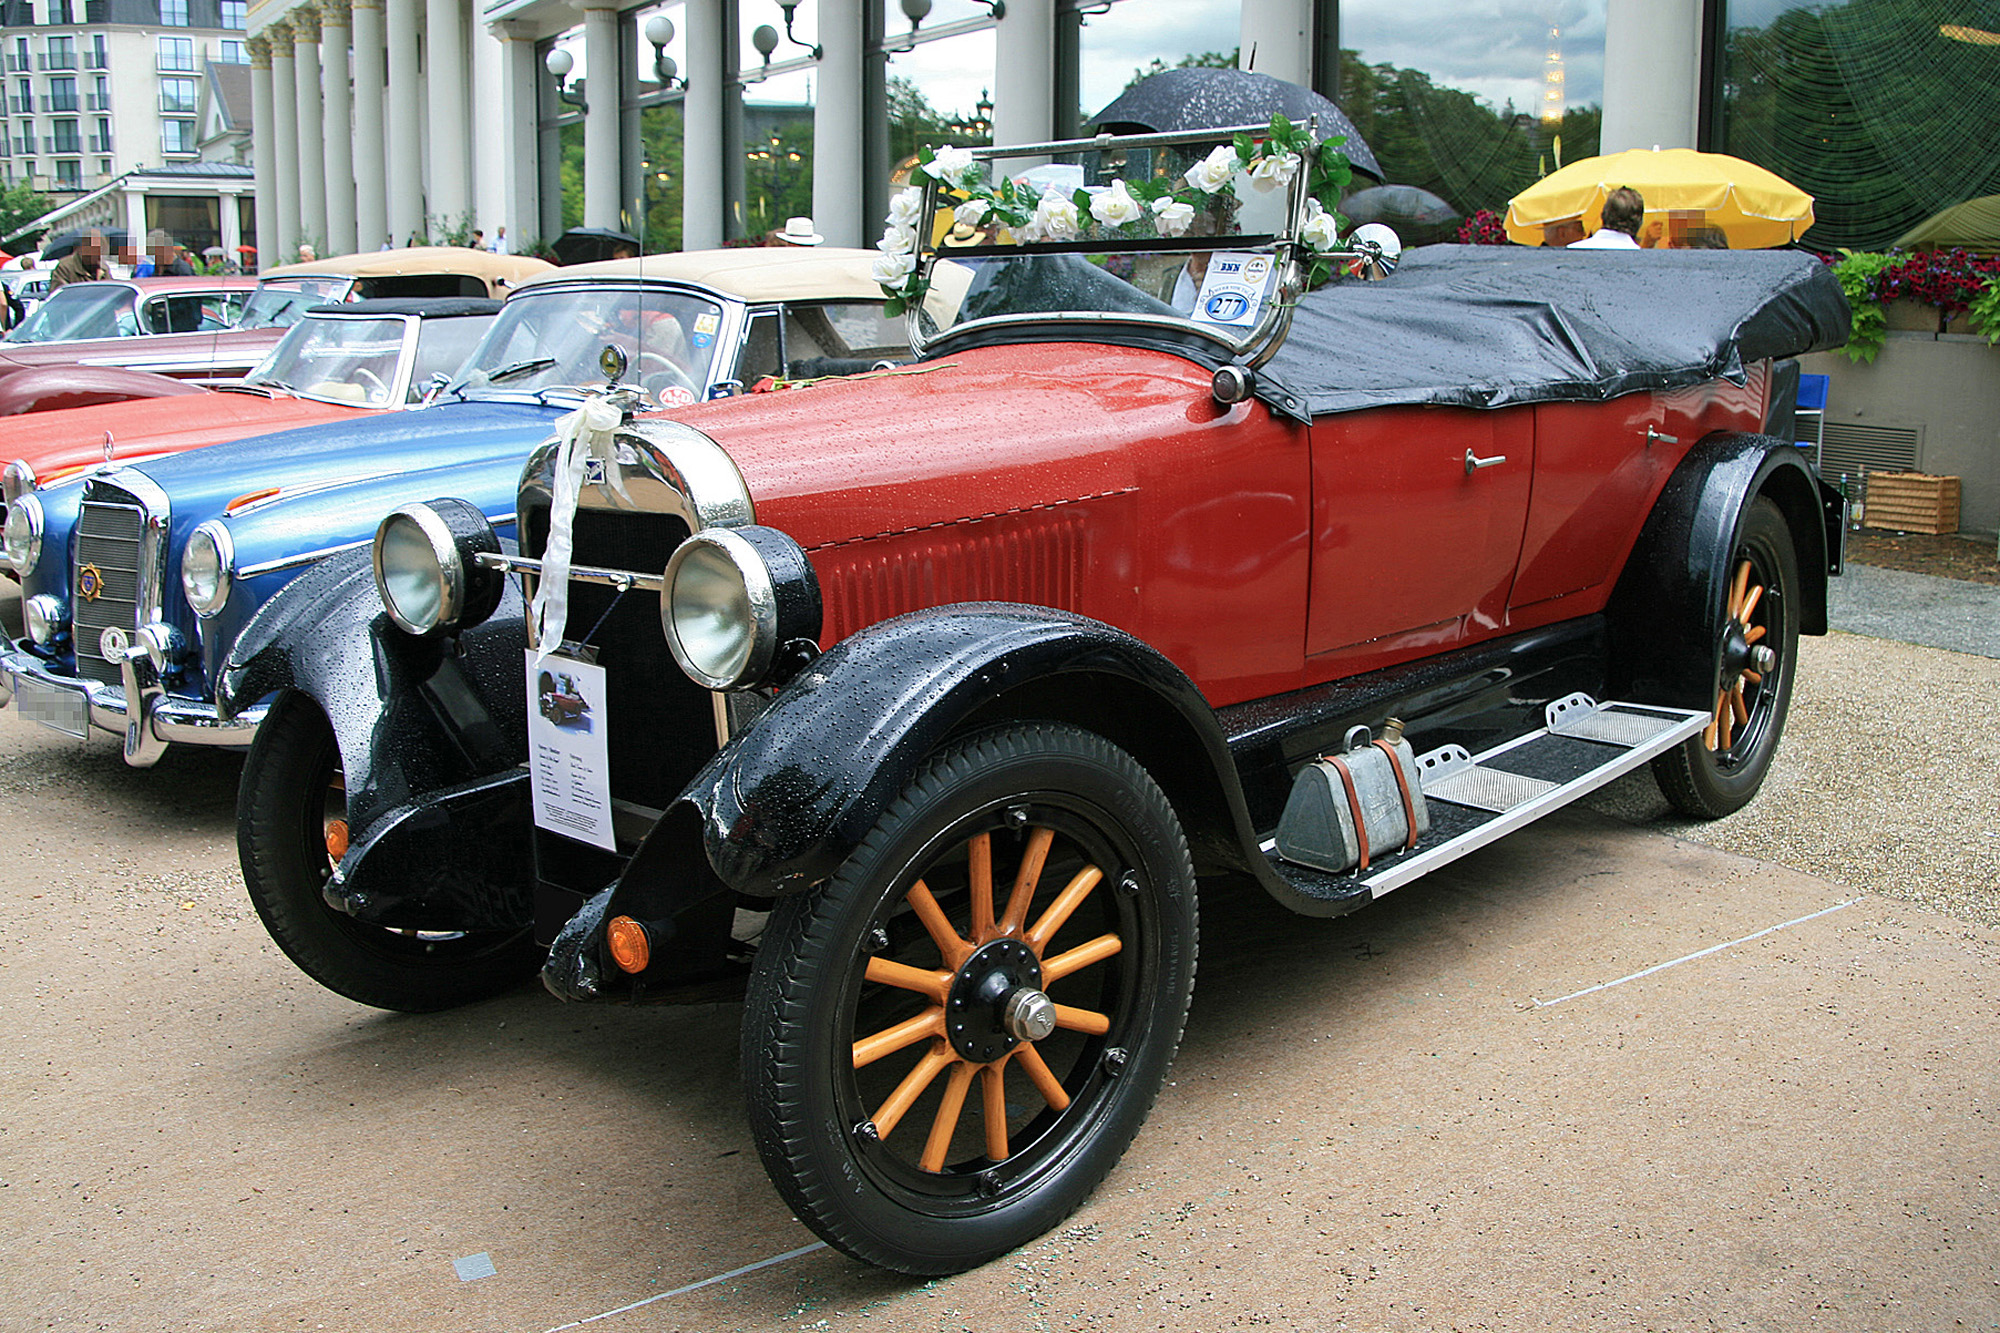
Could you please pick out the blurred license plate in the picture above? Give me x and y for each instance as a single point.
(52, 706)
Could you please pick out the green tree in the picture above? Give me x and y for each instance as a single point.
(19, 206)
(913, 121)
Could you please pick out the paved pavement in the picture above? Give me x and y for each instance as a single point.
(1954, 614)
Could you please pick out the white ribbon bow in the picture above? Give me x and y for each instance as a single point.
(589, 432)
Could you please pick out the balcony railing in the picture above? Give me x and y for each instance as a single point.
(97, 101)
(15, 65)
(63, 144)
(173, 62)
(100, 143)
(20, 106)
(97, 60)
(58, 60)
(57, 102)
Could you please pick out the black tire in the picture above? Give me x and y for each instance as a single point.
(1719, 770)
(290, 790)
(897, 1196)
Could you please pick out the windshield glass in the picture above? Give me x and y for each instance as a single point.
(1196, 230)
(80, 310)
(553, 337)
(340, 360)
(281, 303)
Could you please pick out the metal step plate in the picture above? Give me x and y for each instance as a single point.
(1486, 789)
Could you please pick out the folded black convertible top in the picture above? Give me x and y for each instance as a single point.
(1490, 326)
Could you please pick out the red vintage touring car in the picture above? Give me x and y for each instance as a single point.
(1154, 569)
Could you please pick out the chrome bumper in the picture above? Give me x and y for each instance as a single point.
(78, 707)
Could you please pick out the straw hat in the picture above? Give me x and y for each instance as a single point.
(962, 233)
(799, 231)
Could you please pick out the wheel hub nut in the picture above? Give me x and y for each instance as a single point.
(1029, 1015)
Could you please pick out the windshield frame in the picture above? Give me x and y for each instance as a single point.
(1254, 346)
(319, 290)
(398, 388)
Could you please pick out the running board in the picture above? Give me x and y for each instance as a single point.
(1478, 799)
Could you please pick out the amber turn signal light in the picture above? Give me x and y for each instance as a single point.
(631, 947)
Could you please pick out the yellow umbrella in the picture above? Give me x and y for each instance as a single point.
(1683, 189)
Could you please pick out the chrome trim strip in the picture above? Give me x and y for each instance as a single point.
(314, 557)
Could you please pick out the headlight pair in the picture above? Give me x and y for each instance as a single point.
(427, 569)
(740, 607)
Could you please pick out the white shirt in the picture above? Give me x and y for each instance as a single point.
(1605, 238)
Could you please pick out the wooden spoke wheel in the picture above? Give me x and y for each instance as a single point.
(950, 1043)
(1754, 651)
(291, 831)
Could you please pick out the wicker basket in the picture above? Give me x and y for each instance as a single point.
(1911, 502)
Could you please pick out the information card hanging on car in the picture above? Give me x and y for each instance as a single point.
(568, 759)
(1232, 291)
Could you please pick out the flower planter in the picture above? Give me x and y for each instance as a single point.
(1911, 502)
(1916, 317)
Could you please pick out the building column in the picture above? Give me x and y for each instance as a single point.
(228, 219)
(1276, 37)
(1024, 73)
(371, 192)
(837, 129)
(311, 126)
(339, 129)
(450, 119)
(601, 88)
(402, 154)
(703, 188)
(284, 142)
(263, 150)
(1652, 74)
(520, 212)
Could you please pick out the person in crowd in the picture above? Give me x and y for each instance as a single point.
(307, 254)
(797, 231)
(1624, 210)
(1563, 232)
(499, 246)
(163, 259)
(478, 239)
(83, 264)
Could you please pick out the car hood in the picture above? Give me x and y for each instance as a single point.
(202, 481)
(60, 442)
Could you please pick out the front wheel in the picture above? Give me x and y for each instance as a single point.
(1755, 651)
(291, 831)
(952, 1041)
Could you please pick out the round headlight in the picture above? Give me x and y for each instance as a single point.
(426, 567)
(208, 567)
(16, 480)
(45, 618)
(23, 538)
(733, 597)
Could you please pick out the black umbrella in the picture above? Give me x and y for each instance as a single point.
(1200, 98)
(1416, 215)
(582, 245)
(64, 242)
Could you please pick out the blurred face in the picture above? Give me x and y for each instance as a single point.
(91, 247)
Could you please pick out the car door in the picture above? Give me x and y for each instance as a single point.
(1418, 514)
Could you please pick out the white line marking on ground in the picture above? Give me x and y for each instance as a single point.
(697, 1286)
(1702, 953)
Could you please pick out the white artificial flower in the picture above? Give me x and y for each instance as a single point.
(1214, 171)
(891, 269)
(1321, 231)
(972, 212)
(1268, 173)
(950, 165)
(1172, 217)
(907, 208)
(1115, 207)
(1030, 231)
(897, 240)
(1055, 217)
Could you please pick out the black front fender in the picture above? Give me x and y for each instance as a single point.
(785, 802)
(413, 718)
(1670, 598)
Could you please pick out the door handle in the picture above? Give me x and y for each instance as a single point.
(1473, 462)
(1654, 437)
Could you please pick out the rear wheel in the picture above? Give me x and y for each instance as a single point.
(949, 1043)
(1755, 648)
(291, 831)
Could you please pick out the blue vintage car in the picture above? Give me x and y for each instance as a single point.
(138, 579)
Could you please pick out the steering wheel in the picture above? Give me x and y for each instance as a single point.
(367, 377)
(655, 365)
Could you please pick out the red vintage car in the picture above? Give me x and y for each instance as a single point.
(1157, 569)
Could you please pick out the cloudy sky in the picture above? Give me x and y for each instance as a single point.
(1492, 48)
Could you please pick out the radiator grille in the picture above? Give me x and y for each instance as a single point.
(110, 538)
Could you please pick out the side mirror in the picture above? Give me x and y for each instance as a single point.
(725, 389)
